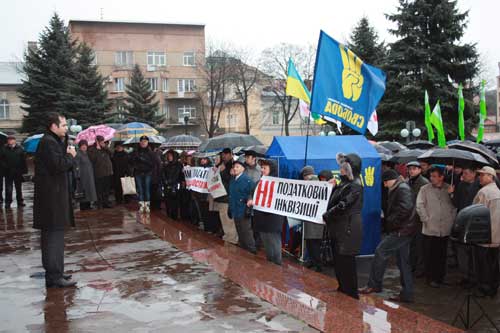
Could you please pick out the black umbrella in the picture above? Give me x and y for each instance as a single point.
(182, 142)
(393, 146)
(259, 150)
(452, 156)
(478, 149)
(420, 144)
(406, 156)
(230, 140)
(385, 157)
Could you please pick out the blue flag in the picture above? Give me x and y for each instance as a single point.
(344, 87)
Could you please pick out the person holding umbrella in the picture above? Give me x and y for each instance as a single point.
(437, 213)
(143, 162)
(100, 156)
(14, 160)
(173, 177)
(86, 174)
(121, 168)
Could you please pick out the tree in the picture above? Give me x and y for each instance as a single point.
(364, 42)
(214, 87)
(89, 102)
(428, 56)
(140, 98)
(243, 78)
(48, 69)
(275, 65)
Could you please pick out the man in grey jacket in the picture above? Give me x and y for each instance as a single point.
(437, 213)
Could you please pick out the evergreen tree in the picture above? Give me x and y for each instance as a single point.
(428, 56)
(364, 43)
(48, 69)
(88, 100)
(140, 99)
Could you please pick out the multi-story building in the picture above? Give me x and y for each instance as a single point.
(11, 114)
(169, 56)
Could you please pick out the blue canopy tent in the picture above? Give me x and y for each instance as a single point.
(322, 152)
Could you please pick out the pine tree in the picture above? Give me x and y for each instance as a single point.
(48, 69)
(364, 43)
(428, 56)
(88, 101)
(140, 99)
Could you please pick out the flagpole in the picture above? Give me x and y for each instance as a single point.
(307, 138)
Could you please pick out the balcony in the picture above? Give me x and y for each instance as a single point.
(177, 95)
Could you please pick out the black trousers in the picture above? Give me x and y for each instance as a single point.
(102, 187)
(313, 247)
(417, 252)
(435, 254)
(155, 196)
(172, 205)
(1, 187)
(52, 246)
(117, 189)
(487, 268)
(185, 204)
(346, 273)
(10, 183)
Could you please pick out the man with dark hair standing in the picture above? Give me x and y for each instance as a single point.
(52, 209)
(100, 155)
(14, 161)
(437, 214)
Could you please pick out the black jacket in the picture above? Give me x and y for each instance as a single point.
(226, 179)
(52, 208)
(401, 215)
(101, 160)
(267, 222)
(121, 165)
(172, 175)
(343, 217)
(464, 194)
(13, 161)
(143, 161)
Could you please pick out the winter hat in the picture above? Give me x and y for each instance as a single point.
(326, 174)
(307, 171)
(390, 175)
(414, 164)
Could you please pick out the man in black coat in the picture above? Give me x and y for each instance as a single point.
(14, 161)
(52, 209)
(121, 168)
(401, 226)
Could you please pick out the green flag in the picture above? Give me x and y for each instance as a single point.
(482, 113)
(430, 132)
(461, 106)
(437, 121)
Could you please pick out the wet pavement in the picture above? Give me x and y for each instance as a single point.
(177, 278)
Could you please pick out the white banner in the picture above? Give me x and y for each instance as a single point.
(196, 179)
(300, 199)
(215, 186)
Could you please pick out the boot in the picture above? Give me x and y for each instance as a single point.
(142, 206)
(146, 207)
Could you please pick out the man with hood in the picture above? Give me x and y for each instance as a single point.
(173, 176)
(344, 223)
(268, 225)
(401, 226)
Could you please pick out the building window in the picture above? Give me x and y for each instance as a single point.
(119, 84)
(185, 85)
(276, 117)
(157, 59)
(124, 58)
(4, 109)
(188, 59)
(164, 85)
(164, 110)
(186, 110)
(232, 120)
(94, 58)
(153, 83)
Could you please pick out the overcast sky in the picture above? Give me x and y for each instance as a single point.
(255, 24)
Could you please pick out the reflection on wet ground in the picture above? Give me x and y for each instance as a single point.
(129, 280)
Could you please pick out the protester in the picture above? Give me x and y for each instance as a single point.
(462, 196)
(486, 256)
(268, 225)
(313, 232)
(453, 174)
(143, 160)
(14, 160)
(241, 189)
(221, 203)
(386, 165)
(200, 205)
(156, 195)
(253, 170)
(325, 175)
(100, 155)
(425, 169)
(184, 194)
(401, 227)
(173, 177)
(416, 181)
(437, 214)
(52, 209)
(343, 220)
(86, 176)
(121, 168)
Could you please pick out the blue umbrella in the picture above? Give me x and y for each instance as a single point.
(31, 143)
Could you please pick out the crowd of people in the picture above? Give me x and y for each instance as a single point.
(418, 210)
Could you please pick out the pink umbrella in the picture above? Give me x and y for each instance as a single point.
(90, 133)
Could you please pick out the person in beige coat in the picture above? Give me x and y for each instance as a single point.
(437, 213)
(486, 256)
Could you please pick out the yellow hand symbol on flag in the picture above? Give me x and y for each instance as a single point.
(352, 80)
(370, 176)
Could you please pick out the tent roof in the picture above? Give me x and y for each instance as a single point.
(321, 147)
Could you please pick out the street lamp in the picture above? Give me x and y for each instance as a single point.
(411, 132)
